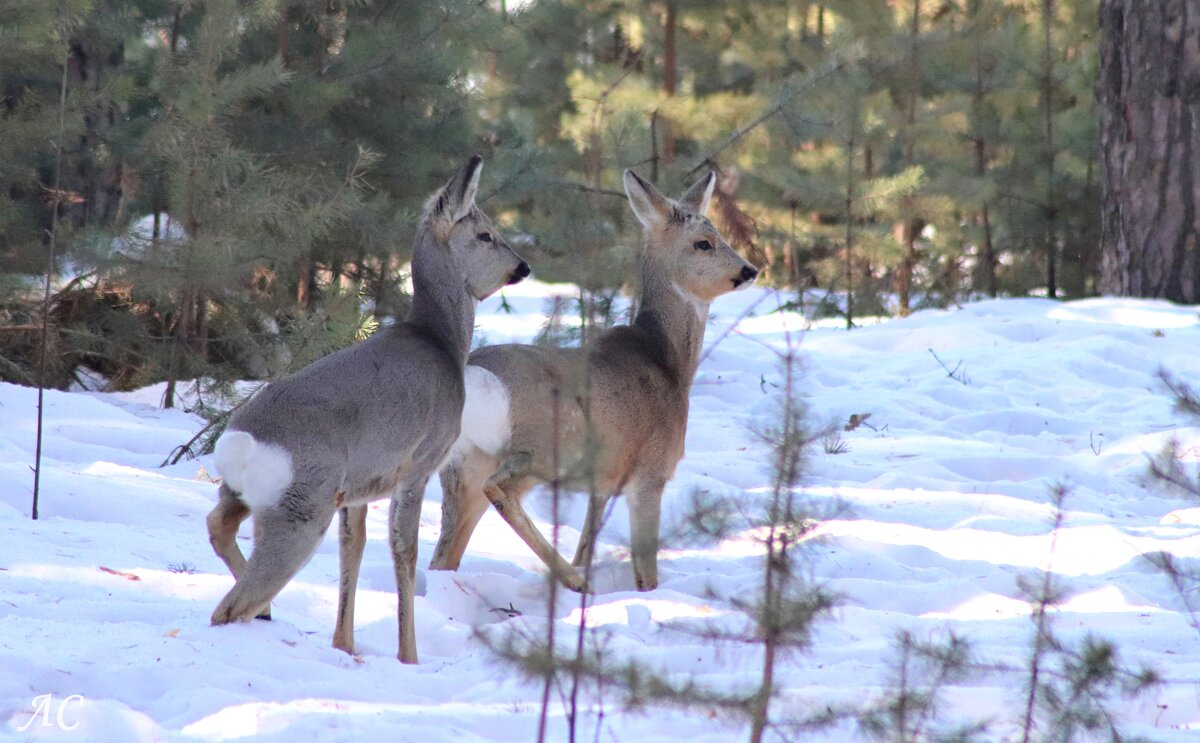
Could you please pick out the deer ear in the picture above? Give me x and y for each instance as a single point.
(700, 194)
(651, 207)
(457, 197)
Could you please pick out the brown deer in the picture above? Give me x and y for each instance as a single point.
(370, 421)
(622, 401)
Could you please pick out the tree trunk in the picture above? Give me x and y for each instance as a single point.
(669, 66)
(978, 97)
(984, 220)
(1050, 208)
(1149, 93)
(670, 73)
(849, 216)
(306, 286)
(182, 328)
(909, 228)
(98, 177)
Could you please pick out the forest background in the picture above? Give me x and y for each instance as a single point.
(223, 188)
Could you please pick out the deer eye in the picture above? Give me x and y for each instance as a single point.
(702, 245)
(484, 237)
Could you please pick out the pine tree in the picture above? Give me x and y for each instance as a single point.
(201, 159)
(1047, 185)
(382, 78)
(35, 51)
(223, 218)
(40, 40)
(978, 65)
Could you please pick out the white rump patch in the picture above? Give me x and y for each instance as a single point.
(485, 419)
(256, 471)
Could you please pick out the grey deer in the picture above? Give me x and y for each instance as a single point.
(632, 382)
(369, 421)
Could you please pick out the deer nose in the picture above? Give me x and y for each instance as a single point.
(521, 272)
(749, 273)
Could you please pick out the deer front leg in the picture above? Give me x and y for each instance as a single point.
(645, 509)
(352, 539)
(404, 520)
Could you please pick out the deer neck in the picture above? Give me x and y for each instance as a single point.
(674, 319)
(441, 304)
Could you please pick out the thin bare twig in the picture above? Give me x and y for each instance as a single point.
(553, 578)
(958, 374)
(729, 329)
(592, 189)
(41, 380)
(763, 117)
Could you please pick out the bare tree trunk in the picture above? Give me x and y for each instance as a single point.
(200, 341)
(654, 147)
(849, 215)
(1051, 206)
(803, 12)
(669, 68)
(904, 276)
(983, 218)
(306, 286)
(670, 73)
(182, 327)
(1149, 140)
(98, 177)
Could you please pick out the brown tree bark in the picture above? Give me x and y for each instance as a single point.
(978, 97)
(669, 68)
(670, 73)
(98, 178)
(1050, 208)
(909, 228)
(1149, 92)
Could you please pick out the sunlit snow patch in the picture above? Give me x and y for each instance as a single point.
(629, 612)
(1131, 313)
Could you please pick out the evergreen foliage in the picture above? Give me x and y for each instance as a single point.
(1167, 468)
(230, 164)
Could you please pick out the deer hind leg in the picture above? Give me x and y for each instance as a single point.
(506, 496)
(285, 537)
(596, 510)
(645, 509)
(463, 504)
(223, 523)
(352, 539)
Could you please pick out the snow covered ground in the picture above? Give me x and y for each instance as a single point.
(108, 595)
